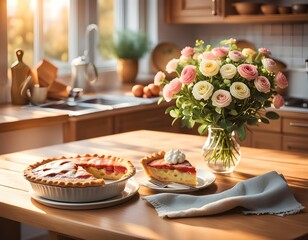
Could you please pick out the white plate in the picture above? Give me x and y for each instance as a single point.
(204, 178)
(130, 190)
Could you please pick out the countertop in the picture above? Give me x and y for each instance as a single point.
(136, 219)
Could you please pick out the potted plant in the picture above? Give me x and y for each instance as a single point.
(128, 47)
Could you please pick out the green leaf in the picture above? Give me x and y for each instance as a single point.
(265, 120)
(233, 112)
(241, 132)
(174, 113)
(252, 121)
(160, 100)
(272, 115)
(218, 110)
(202, 129)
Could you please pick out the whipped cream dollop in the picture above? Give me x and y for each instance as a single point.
(174, 157)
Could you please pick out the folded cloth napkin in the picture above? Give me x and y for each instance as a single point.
(265, 194)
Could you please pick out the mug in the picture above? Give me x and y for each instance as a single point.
(35, 94)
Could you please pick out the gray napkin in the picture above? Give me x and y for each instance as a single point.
(265, 194)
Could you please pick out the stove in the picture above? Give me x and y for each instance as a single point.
(296, 102)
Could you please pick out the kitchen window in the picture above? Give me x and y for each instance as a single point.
(57, 30)
(38, 32)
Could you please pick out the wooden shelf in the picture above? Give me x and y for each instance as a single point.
(272, 18)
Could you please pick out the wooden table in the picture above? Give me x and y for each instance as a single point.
(136, 219)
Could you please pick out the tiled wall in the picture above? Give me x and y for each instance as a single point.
(287, 42)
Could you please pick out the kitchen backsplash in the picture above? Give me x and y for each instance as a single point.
(287, 42)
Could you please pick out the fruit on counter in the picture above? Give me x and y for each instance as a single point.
(151, 90)
(137, 90)
(155, 90)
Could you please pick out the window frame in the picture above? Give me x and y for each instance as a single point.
(130, 15)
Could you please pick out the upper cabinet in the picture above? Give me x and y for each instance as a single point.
(222, 11)
(194, 11)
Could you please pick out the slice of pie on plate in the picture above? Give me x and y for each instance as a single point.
(155, 166)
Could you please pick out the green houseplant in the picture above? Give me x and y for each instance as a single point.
(128, 47)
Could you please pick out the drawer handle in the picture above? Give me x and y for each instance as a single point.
(305, 125)
(214, 13)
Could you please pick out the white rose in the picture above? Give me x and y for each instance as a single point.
(202, 90)
(209, 68)
(239, 90)
(221, 98)
(172, 65)
(228, 71)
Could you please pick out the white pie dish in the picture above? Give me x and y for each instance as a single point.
(80, 194)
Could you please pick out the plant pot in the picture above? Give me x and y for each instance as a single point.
(127, 70)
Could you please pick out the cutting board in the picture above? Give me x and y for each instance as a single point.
(20, 71)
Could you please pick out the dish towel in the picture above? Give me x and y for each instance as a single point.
(265, 194)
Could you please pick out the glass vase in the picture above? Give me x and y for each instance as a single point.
(221, 150)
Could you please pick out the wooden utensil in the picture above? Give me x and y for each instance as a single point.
(20, 72)
(47, 73)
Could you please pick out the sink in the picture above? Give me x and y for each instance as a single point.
(91, 104)
(117, 101)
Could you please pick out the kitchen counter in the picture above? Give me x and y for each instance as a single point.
(136, 219)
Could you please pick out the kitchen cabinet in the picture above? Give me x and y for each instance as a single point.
(289, 133)
(295, 133)
(146, 116)
(220, 11)
(151, 119)
(194, 11)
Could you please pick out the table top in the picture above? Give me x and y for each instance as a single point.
(136, 219)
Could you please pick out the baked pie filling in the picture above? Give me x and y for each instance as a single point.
(79, 171)
(155, 166)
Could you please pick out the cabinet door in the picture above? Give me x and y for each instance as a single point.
(154, 119)
(89, 128)
(298, 144)
(193, 11)
(267, 140)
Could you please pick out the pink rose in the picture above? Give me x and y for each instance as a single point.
(171, 88)
(262, 84)
(209, 56)
(221, 98)
(236, 55)
(175, 85)
(187, 51)
(159, 78)
(167, 93)
(188, 74)
(264, 51)
(220, 52)
(278, 101)
(248, 71)
(269, 64)
(281, 80)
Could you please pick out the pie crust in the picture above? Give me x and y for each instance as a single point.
(79, 171)
(162, 171)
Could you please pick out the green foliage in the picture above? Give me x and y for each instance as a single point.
(130, 45)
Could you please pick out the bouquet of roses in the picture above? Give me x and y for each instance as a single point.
(222, 87)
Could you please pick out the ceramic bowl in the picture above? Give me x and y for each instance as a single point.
(246, 8)
(269, 9)
(284, 10)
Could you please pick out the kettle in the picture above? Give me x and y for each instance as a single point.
(84, 73)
